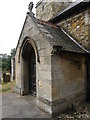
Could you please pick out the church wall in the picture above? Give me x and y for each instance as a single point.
(68, 81)
(78, 27)
(49, 8)
(89, 26)
(45, 14)
(43, 68)
(55, 87)
(44, 80)
(17, 74)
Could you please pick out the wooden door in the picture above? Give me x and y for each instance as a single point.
(32, 73)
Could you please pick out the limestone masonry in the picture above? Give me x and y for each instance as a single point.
(52, 60)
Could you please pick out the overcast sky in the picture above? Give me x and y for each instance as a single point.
(12, 16)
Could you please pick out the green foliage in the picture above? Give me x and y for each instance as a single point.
(13, 52)
(7, 86)
(6, 61)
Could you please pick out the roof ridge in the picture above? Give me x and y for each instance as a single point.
(47, 23)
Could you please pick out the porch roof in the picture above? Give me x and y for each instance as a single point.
(59, 38)
(56, 36)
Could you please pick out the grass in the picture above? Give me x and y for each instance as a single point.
(8, 86)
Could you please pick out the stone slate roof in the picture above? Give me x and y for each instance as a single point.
(75, 7)
(58, 39)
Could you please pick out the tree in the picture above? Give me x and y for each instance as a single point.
(13, 52)
(6, 61)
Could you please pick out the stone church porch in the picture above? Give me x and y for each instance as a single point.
(51, 65)
(15, 106)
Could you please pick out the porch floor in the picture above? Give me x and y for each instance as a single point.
(15, 106)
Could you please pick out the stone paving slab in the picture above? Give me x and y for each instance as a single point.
(8, 110)
(19, 115)
(15, 106)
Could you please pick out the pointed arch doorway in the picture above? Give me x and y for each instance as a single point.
(29, 69)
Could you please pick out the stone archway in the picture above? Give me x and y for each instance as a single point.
(29, 69)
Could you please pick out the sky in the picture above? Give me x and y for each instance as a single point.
(12, 17)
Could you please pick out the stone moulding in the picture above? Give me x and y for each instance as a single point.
(26, 41)
(62, 104)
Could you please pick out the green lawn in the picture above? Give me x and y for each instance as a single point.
(7, 86)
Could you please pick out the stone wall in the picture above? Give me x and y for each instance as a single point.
(43, 68)
(47, 9)
(89, 27)
(59, 79)
(68, 81)
(44, 80)
(77, 27)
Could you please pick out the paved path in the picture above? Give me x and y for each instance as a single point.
(15, 106)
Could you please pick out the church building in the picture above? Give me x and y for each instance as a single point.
(52, 60)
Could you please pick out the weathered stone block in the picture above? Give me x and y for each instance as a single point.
(45, 60)
(44, 106)
(47, 9)
(77, 27)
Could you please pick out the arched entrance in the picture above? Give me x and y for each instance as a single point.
(29, 69)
